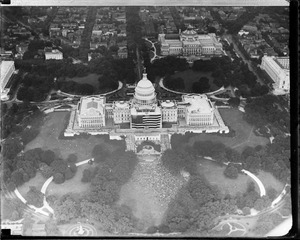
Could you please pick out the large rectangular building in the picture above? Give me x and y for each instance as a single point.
(189, 43)
(7, 69)
(278, 68)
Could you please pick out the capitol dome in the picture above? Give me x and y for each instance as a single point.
(189, 31)
(144, 91)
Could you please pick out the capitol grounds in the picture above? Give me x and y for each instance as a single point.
(144, 197)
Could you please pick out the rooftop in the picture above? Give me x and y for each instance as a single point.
(91, 106)
(198, 103)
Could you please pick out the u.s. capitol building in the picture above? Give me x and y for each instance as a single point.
(144, 113)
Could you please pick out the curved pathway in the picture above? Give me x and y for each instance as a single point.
(257, 180)
(72, 95)
(219, 91)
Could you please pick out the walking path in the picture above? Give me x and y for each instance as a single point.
(257, 180)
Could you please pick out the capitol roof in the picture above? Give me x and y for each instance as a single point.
(198, 103)
(91, 106)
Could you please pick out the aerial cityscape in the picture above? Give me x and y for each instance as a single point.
(145, 121)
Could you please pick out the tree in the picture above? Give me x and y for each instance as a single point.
(231, 171)
(59, 166)
(17, 177)
(58, 178)
(69, 174)
(66, 208)
(72, 158)
(48, 157)
(11, 147)
(246, 211)
(34, 197)
(46, 170)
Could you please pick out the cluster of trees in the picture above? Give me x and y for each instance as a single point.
(176, 84)
(99, 204)
(268, 109)
(166, 66)
(113, 218)
(18, 169)
(35, 87)
(196, 205)
(12, 209)
(15, 120)
(34, 197)
(34, 46)
(201, 86)
(274, 158)
(41, 75)
(236, 74)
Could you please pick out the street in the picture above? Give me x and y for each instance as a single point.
(236, 48)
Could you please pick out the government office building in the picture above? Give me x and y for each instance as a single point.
(278, 68)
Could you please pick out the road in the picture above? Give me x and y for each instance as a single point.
(229, 38)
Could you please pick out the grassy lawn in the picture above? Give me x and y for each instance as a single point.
(73, 185)
(244, 135)
(270, 181)
(37, 182)
(48, 138)
(91, 79)
(213, 172)
(190, 76)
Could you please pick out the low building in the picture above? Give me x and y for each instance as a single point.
(278, 68)
(53, 54)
